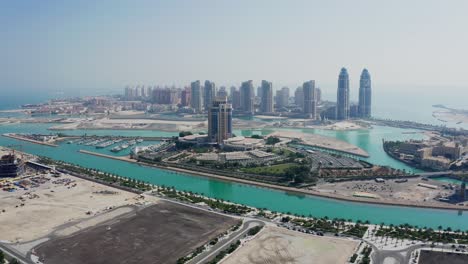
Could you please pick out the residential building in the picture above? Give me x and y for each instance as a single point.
(266, 102)
(309, 106)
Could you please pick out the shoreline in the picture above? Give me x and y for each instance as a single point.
(277, 187)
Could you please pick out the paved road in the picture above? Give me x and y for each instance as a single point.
(402, 256)
(222, 245)
(13, 253)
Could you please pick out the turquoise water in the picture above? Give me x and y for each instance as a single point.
(240, 193)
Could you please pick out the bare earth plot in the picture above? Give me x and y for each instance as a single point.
(34, 213)
(161, 233)
(281, 246)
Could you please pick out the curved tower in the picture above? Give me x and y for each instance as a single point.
(365, 95)
(342, 100)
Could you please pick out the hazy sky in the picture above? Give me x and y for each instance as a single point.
(60, 45)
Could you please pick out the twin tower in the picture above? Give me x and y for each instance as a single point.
(365, 95)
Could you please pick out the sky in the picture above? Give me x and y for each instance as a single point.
(100, 45)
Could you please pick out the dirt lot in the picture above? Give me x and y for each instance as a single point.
(281, 246)
(391, 190)
(434, 257)
(36, 212)
(161, 233)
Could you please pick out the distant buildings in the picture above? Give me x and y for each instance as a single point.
(307, 98)
(235, 98)
(342, 100)
(299, 97)
(219, 120)
(318, 95)
(165, 96)
(185, 97)
(196, 96)
(282, 98)
(365, 95)
(266, 102)
(209, 93)
(309, 106)
(222, 92)
(247, 97)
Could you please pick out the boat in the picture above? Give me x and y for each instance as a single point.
(116, 149)
(124, 146)
(139, 140)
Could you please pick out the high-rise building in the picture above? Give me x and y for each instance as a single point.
(209, 93)
(196, 96)
(310, 106)
(266, 102)
(232, 89)
(282, 97)
(342, 98)
(236, 99)
(318, 95)
(365, 95)
(299, 97)
(222, 92)
(165, 96)
(219, 120)
(185, 97)
(247, 97)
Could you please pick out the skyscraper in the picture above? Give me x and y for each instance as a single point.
(209, 93)
(219, 120)
(266, 103)
(222, 92)
(299, 97)
(185, 97)
(236, 99)
(365, 95)
(342, 100)
(282, 97)
(247, 97)
(318, 95)
(196, 98)
(310, 106)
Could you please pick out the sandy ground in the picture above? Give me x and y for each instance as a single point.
(322, 142)
(343, 125)
(149, 124)
(390, 190)
(51, 205)
(270, 117)
(275, 245)
(450, 116)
